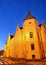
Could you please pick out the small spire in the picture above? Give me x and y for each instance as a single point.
(17, 25)
(29, 14)
(9, 33)
(9, 36)
(42, 21)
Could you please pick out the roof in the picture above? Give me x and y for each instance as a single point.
(40, 25)
(11, 36)
(29, 16)
(21, 28)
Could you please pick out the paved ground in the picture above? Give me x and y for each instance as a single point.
(20, 62)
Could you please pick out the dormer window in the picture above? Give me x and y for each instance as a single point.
(31, 34)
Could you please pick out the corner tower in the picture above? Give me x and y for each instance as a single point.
(31, 38)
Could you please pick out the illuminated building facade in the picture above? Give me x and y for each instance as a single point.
(29, 42)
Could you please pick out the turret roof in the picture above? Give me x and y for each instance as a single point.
(29, 16)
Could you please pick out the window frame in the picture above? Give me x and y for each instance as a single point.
(32, 46)
(31, 35)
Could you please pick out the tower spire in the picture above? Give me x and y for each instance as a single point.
(29, 16)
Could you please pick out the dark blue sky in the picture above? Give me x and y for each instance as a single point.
(13, 12)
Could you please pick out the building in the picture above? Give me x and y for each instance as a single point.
(1, 53)
(29, 42)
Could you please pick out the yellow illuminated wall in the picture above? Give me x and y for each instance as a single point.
(29, 42)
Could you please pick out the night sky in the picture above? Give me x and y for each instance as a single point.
(13, 12)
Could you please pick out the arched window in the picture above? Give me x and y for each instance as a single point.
(31, 34)
(32, 46)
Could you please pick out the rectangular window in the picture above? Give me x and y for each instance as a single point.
(32, 46)
(33, 56)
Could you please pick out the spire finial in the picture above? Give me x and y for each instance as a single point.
(29, 12)
(9, 33)
(42, 21)
(17, 25)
